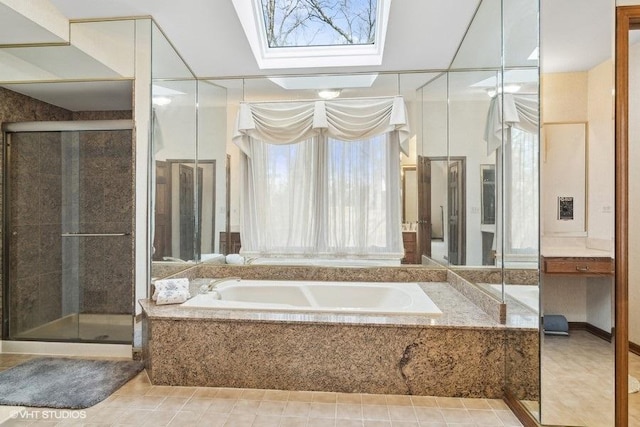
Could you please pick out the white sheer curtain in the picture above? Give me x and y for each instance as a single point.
(516, 117)
(322, 178)
(521, 192)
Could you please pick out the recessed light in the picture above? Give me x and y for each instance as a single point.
(329, 93)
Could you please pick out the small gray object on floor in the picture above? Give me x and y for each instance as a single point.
(53, 382)
(555, 324)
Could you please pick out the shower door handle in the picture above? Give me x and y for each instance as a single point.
(94, 234)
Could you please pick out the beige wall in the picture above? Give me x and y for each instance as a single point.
(587, 97)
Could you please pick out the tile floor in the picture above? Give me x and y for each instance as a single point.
(578, 381)
(138, 403)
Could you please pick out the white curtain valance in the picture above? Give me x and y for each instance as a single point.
(342, 119)
(520, 111)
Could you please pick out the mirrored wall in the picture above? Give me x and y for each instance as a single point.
(469, 180)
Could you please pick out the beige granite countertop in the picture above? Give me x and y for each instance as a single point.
(457, 311)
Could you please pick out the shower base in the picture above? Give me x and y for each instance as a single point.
(95, 328)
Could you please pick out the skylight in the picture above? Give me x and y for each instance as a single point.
(288, 23)
(314, 33)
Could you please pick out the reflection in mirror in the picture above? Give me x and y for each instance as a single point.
(180, 185)
(577, 164)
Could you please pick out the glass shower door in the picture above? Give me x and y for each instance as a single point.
(69, 246)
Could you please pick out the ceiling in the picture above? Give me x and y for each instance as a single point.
(422, 35)
(575, 36)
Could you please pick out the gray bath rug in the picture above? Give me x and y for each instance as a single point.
(64, 383)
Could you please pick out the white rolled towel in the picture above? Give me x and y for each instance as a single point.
(170, 285)
(235, 259)
(213, 258)
(172, 296)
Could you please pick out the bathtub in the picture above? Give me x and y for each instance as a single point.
(528, 295)
(325, 297)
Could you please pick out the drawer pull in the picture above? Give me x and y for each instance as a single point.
(583, 268)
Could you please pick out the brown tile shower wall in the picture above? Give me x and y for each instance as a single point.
(15, 107)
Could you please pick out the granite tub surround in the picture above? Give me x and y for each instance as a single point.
(515, 276)
(325, 274)
(496, 309)
(326, 357)
(461, 353)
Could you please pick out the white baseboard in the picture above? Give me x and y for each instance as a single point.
(66, 349)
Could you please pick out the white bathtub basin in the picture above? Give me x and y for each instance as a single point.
(333, 297)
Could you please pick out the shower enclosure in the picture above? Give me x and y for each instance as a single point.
(68, 221)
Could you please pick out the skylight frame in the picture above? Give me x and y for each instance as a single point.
(250, 14)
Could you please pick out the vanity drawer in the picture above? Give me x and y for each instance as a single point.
(598, 266)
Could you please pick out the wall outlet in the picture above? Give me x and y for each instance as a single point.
(606, 209)
(475, 210)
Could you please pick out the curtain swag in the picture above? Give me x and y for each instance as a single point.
(342, 119)
(520, 111)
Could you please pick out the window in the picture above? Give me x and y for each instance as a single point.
(324, 197)
(314, 33)
(319, 22)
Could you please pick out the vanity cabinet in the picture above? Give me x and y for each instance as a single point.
(583, 266)
(409, 241)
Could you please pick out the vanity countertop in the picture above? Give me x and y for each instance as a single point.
(574, 252)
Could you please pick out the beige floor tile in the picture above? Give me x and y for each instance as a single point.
(510, 420)
(349, 398)
(246, 407)
(348, 423)
(172, 404)
(293, 422)
(374, 399)
(134, 417)
(239, 420)
(219, 405)
(376, 423)
(268, 407)
(297, 409)
(159, 390)
(476, 404)
(146, 402)
(455, 415)
(197, 404)
(279, 395)
(205, 392)
(375, 412)
(301, 396)
(182, 391)
(266, 421)
(159, 418)
(186, 419)
(449, 402)
(229, 393)
(428, 401)
(252, 394)
(429, 415)
(324, 397)
(404, 424)
(484, 417)
(322, 410)
(397, 400)
(321, 422)
(349, 411)
(497, 404)
(402, 413)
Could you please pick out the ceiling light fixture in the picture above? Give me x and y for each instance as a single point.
(329, 93)
(512, 88)
(161, 100)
